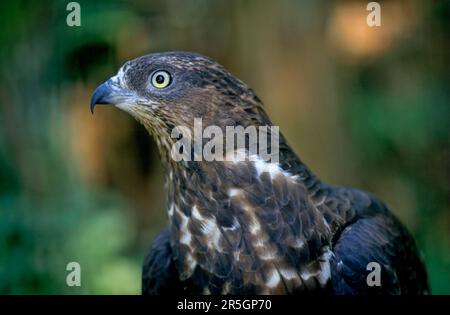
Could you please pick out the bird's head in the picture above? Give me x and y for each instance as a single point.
(169, 89)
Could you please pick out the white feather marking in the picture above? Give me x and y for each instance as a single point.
(209, 227)
(271, 168)
(325, 270)
(326, 224)
(119, 78)
(274, 279)
(206, 291)
(186, 236)
(191, 262)
(268, 254)
(234, 192)
(215, 239)
(259, 242)
(288, 273)
(171, 210)
(299, 243)
(255, 226)
(226, 288)
(324, 273)
(196, 214)
(234, 226)
(321, 201)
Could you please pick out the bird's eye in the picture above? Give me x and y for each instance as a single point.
(161, 79)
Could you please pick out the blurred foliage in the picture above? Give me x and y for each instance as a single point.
(363, 107)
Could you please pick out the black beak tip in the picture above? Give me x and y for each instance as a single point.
(92, 106)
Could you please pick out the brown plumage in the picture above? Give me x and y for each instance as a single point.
(252, 226)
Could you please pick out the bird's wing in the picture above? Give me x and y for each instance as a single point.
(159, 275)
(377, 236)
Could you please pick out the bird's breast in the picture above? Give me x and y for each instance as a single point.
(248, 227)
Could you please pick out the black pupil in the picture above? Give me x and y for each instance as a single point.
(159, 79)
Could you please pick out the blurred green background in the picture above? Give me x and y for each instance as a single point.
(364, 107)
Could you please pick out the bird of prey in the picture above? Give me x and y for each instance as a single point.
(252, 226)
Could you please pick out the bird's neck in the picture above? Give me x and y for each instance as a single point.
(209, 184)
(218, 174)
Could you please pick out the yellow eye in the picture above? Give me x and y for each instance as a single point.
(161, 79)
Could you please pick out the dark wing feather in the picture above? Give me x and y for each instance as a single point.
(377, 236)
(159, 274)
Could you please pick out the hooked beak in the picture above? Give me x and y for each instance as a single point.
(110, 93)
(103, 94)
